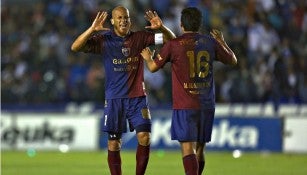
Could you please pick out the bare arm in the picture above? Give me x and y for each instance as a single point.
(97, 25)
(147, 55)
(220, 39)
(167, 34)
(156, 24)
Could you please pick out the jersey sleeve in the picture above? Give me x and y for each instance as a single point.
(150, 38)
(94, 44)
(164, 56)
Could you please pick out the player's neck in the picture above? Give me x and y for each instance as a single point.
(119, 34)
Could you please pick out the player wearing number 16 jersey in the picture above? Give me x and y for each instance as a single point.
(192, 55)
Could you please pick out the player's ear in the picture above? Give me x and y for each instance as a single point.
(112, 21)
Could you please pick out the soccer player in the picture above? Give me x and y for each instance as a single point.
(192, 55)
(125, 91)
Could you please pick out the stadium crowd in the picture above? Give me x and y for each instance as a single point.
(269, 38)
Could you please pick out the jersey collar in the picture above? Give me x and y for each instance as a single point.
(114, 34)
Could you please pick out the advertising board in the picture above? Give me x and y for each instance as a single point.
(295, 131)
(49, 132)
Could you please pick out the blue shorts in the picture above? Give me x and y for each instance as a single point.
(118, 111)
(192, 125)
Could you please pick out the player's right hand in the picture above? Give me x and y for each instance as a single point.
(97, 24)
(147, 54)
(154, 19)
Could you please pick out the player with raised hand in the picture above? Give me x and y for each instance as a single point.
(120, 49)
(192, 55)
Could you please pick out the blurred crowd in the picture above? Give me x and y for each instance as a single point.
(269, 38)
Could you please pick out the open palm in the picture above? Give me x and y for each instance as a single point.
(97, 24)
(154, 20)
(218, 35)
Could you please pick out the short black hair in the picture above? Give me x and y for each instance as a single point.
(191, 18)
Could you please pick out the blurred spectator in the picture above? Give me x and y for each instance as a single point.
(95, 81)
(78, 70)
(254, 30)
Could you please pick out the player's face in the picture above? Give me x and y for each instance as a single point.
(121, 21)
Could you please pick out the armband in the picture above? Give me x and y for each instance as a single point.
(158, 38)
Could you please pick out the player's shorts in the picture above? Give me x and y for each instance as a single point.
(192, 125)
(118, 111)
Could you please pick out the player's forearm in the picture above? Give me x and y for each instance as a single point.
(79, 43)
(167, 34)
(233, 56)
(229, 54)
(151, 65)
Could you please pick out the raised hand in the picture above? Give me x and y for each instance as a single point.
(217, 35)
(154, 20)
(97, 24)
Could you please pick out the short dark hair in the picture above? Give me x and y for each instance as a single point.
(191, 19)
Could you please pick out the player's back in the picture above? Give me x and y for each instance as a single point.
(192, 59)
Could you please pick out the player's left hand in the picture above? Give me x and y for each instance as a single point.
(147, 54)
(218, 35)
(154, 20)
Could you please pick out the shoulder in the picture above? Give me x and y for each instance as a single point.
(101, 34)
(208, 40)
(176, 40)
(139, 35)
(207, 37)
(143, 32)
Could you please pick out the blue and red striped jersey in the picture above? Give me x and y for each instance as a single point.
(192, 56)
(123, 63)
